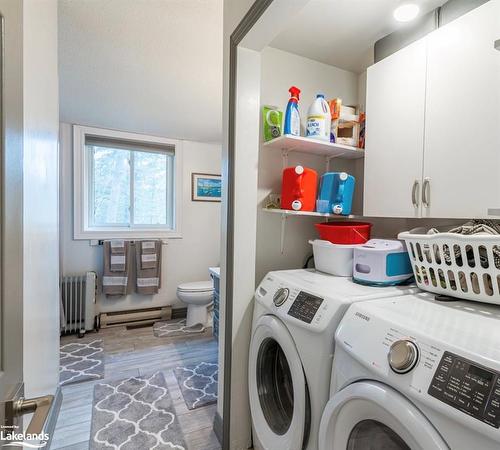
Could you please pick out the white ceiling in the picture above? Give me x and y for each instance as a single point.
(149, 66)
(342, 32)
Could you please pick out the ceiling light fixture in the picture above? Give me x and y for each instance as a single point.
(406, 12)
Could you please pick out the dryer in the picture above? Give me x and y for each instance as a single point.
(413, 373)
(296, 314)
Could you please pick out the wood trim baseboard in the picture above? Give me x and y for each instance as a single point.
(217, 427)
(53, 415)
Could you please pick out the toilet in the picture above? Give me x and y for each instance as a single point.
(197, 296)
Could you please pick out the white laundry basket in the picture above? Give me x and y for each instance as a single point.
(455, 265)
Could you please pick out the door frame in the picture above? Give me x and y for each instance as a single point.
(246, 24)
(11, 202)
(257, 29)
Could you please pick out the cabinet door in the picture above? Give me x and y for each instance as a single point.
(462, 118)
(395, 133)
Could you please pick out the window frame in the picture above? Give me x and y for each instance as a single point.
(82, 184)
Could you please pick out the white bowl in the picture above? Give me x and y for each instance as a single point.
(335, 259)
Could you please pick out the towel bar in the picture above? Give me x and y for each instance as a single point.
(132, 241)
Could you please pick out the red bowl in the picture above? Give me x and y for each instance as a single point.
(344, 232)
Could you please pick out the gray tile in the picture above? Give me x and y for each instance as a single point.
(133, 353)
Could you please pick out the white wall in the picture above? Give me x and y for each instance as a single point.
(138, 66)
(233, 12)
(280, 70)
(246, 148)
(245, 227)
(40, 208)
(156, 65)
(184, 260)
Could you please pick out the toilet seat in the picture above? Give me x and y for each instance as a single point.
(196, 286)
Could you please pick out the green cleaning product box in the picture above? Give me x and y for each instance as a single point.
(272, 119)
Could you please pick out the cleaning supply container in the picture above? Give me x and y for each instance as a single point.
(271, 118)
(336, 191)
(319, 119)
(292, 116)
(299, 188)
(344, 232)
(335, 259)
(382, 262)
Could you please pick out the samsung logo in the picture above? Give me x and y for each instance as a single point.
(362, 316)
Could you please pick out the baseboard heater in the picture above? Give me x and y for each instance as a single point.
(135, 316)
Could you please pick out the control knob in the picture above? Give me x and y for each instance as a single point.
(280, 296)
(403, 356)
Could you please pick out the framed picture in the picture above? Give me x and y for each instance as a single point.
(206, 187)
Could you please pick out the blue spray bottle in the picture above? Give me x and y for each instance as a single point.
(292, 116)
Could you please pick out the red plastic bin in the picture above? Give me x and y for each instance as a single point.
(344, 232)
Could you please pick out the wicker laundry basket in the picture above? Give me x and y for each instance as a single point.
(455, 265)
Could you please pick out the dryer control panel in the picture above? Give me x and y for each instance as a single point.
(468, 387)
(305, 307)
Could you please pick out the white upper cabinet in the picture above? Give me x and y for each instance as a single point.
(433, 115)
(395, 108)
(462, 117)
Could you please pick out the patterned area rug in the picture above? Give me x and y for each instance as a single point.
(177, 327)
(198, 383)
(81, 361)
(135, 413)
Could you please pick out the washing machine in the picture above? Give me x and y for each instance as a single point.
(413, 373)
(296, 313)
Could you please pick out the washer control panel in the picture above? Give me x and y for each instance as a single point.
(468, 387)
(305, 307)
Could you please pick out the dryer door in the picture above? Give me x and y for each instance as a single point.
(279, 400)
(371, 415)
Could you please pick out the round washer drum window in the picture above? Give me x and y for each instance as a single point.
(275, 386)
(373, 435)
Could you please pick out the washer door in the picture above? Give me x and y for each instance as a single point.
(370, 415)
(279, 400)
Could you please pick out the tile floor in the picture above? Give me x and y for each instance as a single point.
(138, 352)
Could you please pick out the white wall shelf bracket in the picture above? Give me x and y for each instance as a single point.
(284, 157)
(283, 229)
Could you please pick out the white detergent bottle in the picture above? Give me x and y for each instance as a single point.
(319, 119)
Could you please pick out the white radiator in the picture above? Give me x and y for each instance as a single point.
(78, 299)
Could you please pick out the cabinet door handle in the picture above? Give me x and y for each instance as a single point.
(497, 44)
(414, 193)
(426, 193)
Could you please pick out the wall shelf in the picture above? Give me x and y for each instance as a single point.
(288, 143)
(288, 212)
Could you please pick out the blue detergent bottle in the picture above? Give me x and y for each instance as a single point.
(292, 116)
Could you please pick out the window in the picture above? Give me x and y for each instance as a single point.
(129, 186)
(125, 185)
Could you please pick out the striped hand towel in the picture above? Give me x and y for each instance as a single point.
(116, 274)
(149, 256)
(148, 276)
